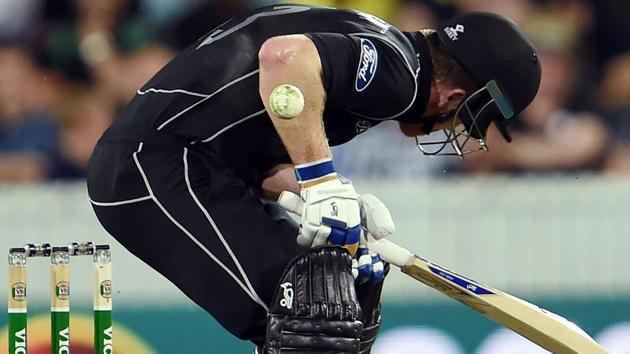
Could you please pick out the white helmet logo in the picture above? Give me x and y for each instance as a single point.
(453, 32)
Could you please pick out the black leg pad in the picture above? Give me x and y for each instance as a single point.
(315, 309)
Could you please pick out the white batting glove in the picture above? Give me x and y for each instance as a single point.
(331, 210)
(375, 217)
(377, 223)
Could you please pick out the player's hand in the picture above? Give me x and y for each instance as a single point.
(331, 212)
(377, 223)
(375, 217)
(367, 265)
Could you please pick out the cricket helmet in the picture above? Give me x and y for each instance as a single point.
(500, 59)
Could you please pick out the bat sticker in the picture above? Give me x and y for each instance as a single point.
(461, 281)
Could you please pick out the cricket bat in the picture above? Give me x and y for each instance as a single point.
(545, 328)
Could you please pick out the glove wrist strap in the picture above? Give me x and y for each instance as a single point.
(316, 172)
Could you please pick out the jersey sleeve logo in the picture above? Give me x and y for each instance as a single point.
(367, 65)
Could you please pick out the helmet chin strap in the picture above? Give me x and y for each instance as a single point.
(428, 123)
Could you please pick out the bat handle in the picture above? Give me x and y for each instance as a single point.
(391, 252)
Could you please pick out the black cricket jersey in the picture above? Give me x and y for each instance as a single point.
(208, 95)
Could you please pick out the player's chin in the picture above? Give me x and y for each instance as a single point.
(411, 129)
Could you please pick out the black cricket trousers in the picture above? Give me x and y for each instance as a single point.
(188, 216)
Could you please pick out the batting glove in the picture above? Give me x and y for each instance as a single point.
(377, 223)
(331, 210)
(367, 265)
(375, 217)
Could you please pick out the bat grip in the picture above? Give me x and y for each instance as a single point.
(390, 252)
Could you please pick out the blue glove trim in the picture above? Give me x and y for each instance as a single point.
(353, 235)
(307, 172)
(343, 236)
(378, 275)
(337, 236)
(334, 223)
(365, 270)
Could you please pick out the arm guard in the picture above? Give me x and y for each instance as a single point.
(315, 307)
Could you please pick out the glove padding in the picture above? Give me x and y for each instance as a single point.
(330, 212)
(375, 218)
(367, 265)
(377, 223)
(315, 308)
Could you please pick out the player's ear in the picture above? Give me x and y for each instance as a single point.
(450, 98)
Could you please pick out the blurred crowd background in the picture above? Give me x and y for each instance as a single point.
(67, 67)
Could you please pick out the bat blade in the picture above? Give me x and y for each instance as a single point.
(545, 328)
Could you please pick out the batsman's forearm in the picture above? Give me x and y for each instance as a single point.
(294, 60)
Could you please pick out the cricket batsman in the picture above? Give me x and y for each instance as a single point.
(183, 176)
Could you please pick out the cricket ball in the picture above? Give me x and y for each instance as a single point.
(286, 101)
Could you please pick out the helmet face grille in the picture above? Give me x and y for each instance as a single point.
(470, 123)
